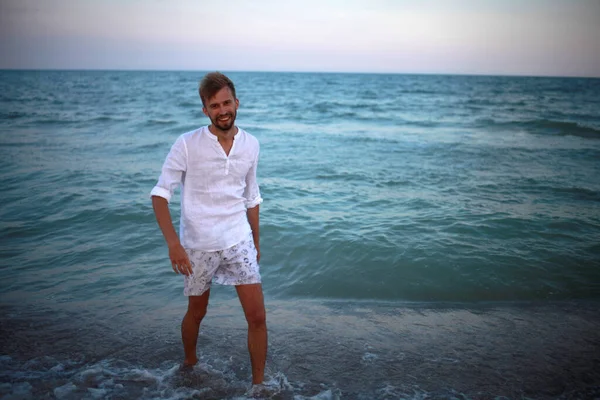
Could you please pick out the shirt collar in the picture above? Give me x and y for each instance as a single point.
(215, 137)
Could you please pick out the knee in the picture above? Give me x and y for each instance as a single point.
(197, 311)
(256, 319)
(197, 314)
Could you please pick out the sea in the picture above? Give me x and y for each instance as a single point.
(422, 237)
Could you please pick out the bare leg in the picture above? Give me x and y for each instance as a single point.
(191, 326)
(251, 297)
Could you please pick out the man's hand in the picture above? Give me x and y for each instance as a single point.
(180, 260)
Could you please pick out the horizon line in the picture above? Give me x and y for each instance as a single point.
(466, 74)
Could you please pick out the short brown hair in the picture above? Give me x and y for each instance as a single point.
(212, 83)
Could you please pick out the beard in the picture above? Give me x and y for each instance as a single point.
(224, 126)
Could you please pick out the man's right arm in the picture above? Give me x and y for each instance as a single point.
(174, 167)
(177, 254)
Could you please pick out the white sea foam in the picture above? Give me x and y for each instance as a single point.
(65, 390)
(57, 368)
(369, 357)
(97, 393)
(325, 395)
(114, 378)
(407, 393)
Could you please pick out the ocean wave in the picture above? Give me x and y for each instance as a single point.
(151, 146)
(545, 127)
(18, 142)
(421, 91)
(12, 115)
(152, 122)
(362, 138)
(571, 192)
(563, 128)
(188, 104)
(343, 176)
(49, 121)
(107, 118)
(394, 183)
(58, 120)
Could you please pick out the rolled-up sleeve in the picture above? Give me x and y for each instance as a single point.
(172, 171)
(252, 191)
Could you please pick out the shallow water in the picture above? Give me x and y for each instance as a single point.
(320, 350)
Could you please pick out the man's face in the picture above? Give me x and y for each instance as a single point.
(222, 109)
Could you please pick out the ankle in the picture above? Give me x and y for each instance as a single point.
(190, 360)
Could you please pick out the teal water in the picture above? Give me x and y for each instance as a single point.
(376, 186)
(393, 189)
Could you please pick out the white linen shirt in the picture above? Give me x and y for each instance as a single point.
(216, 189)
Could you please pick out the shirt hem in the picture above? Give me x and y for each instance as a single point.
(247, 235)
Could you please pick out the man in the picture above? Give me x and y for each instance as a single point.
(218, 241)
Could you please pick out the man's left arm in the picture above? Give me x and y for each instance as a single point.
(253, 219)
(253, 199)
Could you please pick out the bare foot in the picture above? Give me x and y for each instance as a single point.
(260, 390)
(188, 365)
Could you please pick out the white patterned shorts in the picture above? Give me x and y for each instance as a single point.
(236, 265)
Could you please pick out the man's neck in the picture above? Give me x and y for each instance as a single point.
(223, 136)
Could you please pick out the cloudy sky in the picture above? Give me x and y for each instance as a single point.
(508, 37)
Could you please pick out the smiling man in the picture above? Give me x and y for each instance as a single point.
(218, 242)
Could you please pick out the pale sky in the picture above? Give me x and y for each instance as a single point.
(497, 37)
